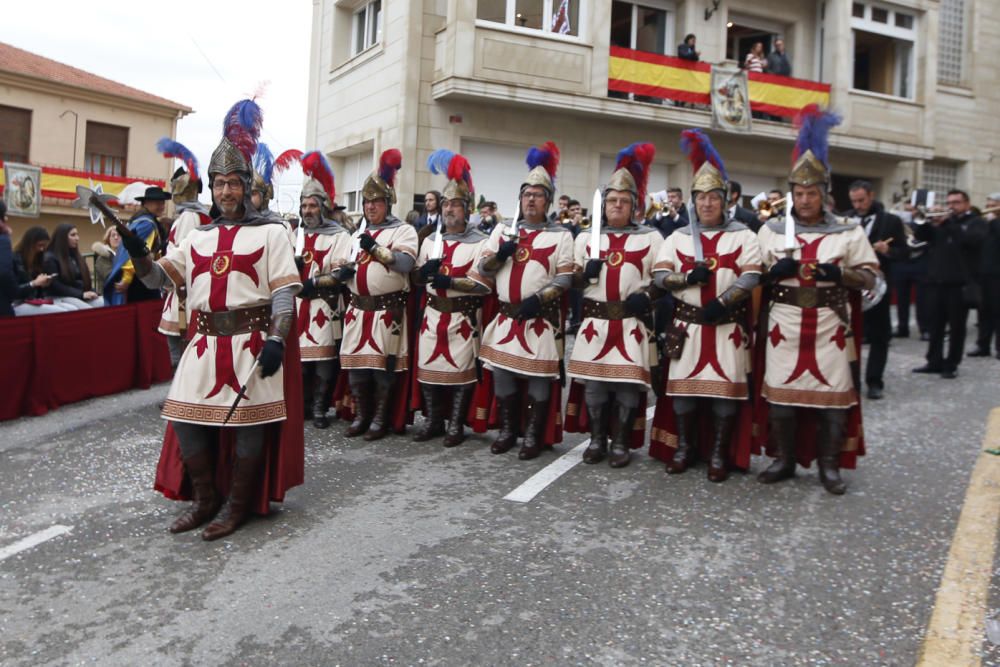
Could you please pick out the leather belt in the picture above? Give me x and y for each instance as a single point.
(550, 310)
(605, 310)
(810, 297)
(467, 305)
(695, 315)
(390, 301)
(233, 322)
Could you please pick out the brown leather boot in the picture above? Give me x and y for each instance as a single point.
(507, 409)
(380, 420)
(783, 436)
(621, 453)
(598, 447)
(236, 510)
(433, 425)
(684, 455)
(718, 465)
(206, 499)
(459, 409)
(321, 401)
(363, 408)
(537, 413)
(829, 440)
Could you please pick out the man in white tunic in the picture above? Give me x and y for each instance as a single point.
(814, 261)
(711, 266)
(612, 352)
(449, 330)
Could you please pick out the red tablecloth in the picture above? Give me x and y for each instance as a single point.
(50, 360)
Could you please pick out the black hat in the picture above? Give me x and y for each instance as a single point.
(155, 193)
(338, 207)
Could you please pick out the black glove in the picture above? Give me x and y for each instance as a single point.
(308, 290)
(530, 308)
(506, 250)
(135, 246)
(345, 273)
(300, 263)
(429, 268)
(714, 311)
(786, 267)
(441, 281)
(699, 275)
(637, 304)
(827, 271)
(592, 269)
(270, 358)
(367, 242)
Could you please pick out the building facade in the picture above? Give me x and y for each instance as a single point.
(78, 128)
(912, 79)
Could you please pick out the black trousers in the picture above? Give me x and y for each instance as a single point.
(878, 331)
(946, 309)
(907, 276)
(989, 314)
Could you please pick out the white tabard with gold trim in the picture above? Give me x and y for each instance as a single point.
(716, 359)
(319, 320)
(615, 350)
(448, 343)
(372, 335)
(185, 222)
(809, 350)
(527, 347)
(228, 267)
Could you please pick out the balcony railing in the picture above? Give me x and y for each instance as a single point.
(650, 76)
(60, 183)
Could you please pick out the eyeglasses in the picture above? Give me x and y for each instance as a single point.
(235, 184)
(533, 195)
(617, 201)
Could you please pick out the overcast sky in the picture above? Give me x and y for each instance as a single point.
(204, 54)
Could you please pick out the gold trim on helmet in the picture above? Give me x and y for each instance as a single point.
(539, 177)
(708, 178)
(622, 181)
(376, 188)
(183, 188)
(457, 190)
(808, 170)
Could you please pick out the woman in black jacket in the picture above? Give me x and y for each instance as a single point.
(71, 285)
(30, 278)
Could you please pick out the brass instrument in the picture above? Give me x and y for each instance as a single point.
(766, 209)
(584, 224)
(653, 208)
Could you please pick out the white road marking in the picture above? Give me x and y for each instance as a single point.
(550, 473)
(33, 540)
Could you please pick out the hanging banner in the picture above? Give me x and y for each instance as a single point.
(22, 190)
(730, 99)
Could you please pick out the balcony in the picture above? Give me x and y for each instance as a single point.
(58, 186)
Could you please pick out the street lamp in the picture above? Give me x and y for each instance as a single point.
(76, 127)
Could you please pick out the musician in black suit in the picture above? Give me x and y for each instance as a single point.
(737, 212)
(888, 238)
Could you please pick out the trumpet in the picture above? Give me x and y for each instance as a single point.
(767, 208)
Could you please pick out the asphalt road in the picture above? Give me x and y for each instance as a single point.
(404, 553)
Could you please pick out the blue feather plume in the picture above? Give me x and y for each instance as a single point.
(263, 162)
(242, 126)
(175, 149)
(439, 160)
(814, 132)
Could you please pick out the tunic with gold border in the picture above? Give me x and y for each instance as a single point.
(716, 358)
(370, 336)
(448, 342)
(319, 318)
(228, 268)
(808, 349)
(525, 347)
(616, 349)
(185, 222)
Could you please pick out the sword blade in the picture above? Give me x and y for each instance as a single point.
(699, 252)
(242, 393)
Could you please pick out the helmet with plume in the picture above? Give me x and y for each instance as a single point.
(185, 184)
(810, 159)
(263, 171)
(240, 132)
(632, 172)
(709, 171)
(382, 182)
(543, 162)
(319, 180)
(458, 171)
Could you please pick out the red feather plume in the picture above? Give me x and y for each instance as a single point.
(637, 158)
(388, 164)
(314, 165)
(285, 160)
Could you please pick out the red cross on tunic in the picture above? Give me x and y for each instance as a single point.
(525, 253)
(715, 261)
(220, 265)
(442, 341)
(807, 360)
(311, 256)
(616, 258)
(365, 261)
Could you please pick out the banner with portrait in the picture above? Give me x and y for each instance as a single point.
(730, 99)
(22, 189)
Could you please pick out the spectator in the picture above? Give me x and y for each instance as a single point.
(8, 277)
(71, 284)
(755, 59)
(432, 210)
(736, 211)
(686, 50)
(574, 216)
(488, 217)
(31, 280)
(104, 256)
(777, 61)
(122, 285)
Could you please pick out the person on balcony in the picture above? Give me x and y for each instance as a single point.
(777, 60)
(686, 49)
(755, 58)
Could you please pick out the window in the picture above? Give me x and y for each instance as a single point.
(884, 50)
(940, 177)
(15, 134)
(367, 27)
(553, 16)
(107, 148)
(352, 178)
(951, 33)
(642, 28)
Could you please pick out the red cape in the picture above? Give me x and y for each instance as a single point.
(284, 447)
(578, 421)
(806, 418)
